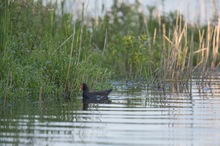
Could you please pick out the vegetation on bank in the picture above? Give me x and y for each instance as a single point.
(48, 54)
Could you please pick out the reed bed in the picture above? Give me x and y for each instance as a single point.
(43, 55)
(48, 54)
(182, 58)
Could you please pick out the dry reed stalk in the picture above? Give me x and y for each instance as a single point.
(183, 53)
(81, 34)
(159, 23)
(163, 60)
(103, 51)
(175, 50)
(62, 43)
(215, 44)
(207, 44)
(178, 45)
(177, 54)
(80, 45)
(168, 59)
(105, 43)
(70, 60)
(155, 35)
(191, 64)
(213, 48)
(208, 40)
(40, 93)
(201, 49)
(185, 50)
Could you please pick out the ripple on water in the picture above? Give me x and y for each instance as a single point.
(145, 118)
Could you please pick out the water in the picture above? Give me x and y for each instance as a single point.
(136, 115)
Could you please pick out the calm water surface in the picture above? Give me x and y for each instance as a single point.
(136, 115)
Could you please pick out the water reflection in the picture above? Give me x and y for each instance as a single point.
(134, 115)
(103, 101)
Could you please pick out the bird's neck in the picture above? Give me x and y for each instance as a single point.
(85, 93)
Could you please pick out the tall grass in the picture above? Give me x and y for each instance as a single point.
(45, 54)
(165, 44)
(183, 57)
(42, 53)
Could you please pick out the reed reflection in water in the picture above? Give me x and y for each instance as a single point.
(135, 115)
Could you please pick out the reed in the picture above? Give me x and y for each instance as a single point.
(175, 52)
(42, 53)
(180, 51)
(208, 50)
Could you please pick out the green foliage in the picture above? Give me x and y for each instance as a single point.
(45, 53)
(32, 63)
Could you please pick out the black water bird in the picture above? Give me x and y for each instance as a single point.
(94, 97)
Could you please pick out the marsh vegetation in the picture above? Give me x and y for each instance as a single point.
(45, 54)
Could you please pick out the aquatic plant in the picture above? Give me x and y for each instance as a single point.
(46, 52)
(42, 52)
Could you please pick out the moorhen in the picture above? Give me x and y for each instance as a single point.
(94, 97)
